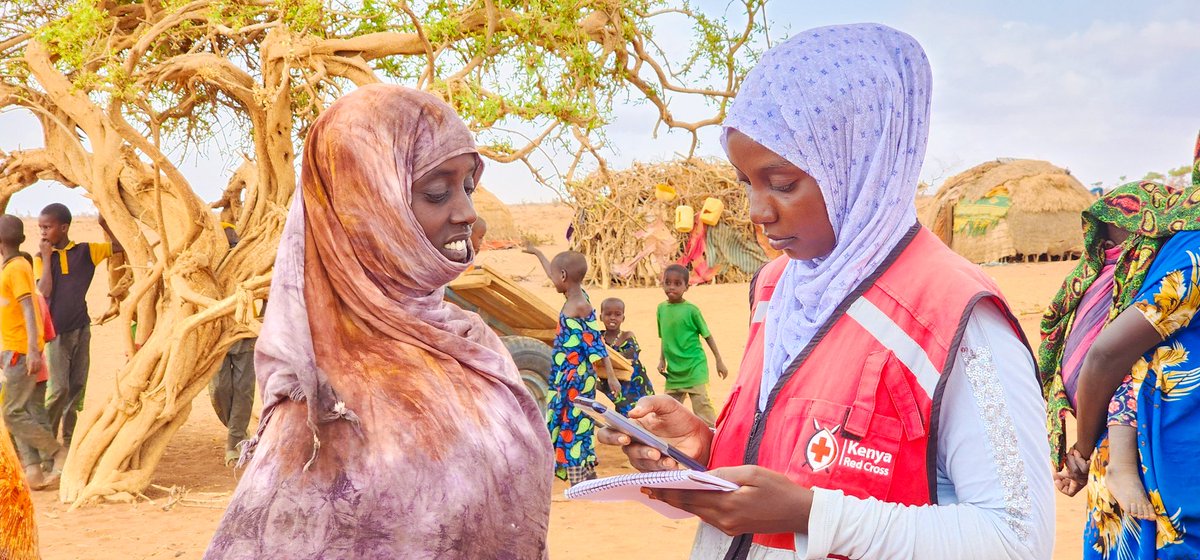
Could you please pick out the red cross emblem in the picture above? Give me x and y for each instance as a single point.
(822, 448)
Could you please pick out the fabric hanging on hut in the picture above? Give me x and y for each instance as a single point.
(694, 255)
(977, 217)
(659, 245)
(729, 247)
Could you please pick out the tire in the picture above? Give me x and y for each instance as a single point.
(533, 358)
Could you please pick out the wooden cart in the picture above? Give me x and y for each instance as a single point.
(525, 323)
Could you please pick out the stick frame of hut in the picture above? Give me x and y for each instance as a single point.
(626, 228)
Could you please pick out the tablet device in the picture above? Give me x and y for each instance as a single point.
(613, 419)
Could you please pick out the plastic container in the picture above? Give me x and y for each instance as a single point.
(685, 218)
(710, 213)
(665, 192)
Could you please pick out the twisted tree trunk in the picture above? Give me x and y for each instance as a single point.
(191, 295)
(107, 80)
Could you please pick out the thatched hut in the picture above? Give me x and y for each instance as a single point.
(1010, 210)
(629, 236)
(501, 229)
(925, 209)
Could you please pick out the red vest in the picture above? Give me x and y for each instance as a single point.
(857, 411)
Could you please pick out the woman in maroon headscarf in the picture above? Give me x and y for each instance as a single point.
(394, 425)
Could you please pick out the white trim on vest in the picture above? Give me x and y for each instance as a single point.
(892, 337)
(760, 312)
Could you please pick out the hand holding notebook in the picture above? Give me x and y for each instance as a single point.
(628, 487)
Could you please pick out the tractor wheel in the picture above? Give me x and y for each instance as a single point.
(533, 359)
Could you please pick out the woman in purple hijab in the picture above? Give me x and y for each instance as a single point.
(846, 439)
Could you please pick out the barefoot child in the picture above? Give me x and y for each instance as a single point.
(612, 314)
(1090, 354)
(577, 348)
(682, 360)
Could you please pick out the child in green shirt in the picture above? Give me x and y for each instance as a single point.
(682, 360)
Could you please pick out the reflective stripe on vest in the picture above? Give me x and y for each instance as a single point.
(892, 337)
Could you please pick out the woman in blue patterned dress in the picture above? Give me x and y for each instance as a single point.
(1150, 345)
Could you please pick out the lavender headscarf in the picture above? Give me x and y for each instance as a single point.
(848, 104)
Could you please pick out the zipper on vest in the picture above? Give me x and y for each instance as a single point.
(750, 455)
(755, 431)
(739, 549)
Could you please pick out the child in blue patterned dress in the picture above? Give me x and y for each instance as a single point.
(576, 349)
(612, 314)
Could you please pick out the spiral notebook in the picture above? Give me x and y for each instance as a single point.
(628, 487)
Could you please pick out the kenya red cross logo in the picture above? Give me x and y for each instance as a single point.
(822, 448)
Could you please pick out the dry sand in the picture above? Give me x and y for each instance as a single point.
(193, 462)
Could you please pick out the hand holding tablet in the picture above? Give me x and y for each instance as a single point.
(612, 419)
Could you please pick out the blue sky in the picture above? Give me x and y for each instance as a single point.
(1103, 88)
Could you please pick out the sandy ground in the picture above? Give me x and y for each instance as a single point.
(192, 466)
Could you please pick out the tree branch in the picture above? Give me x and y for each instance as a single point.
(509, 157)
(210, 68)
(23, 168)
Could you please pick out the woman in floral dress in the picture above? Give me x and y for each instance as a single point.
(1144, 355)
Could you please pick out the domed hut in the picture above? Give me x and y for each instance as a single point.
(1010, 210)
(502, 232)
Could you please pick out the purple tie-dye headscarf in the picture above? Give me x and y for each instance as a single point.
(395, 424)
(848, 104)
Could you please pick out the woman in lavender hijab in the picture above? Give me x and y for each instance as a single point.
(887, 405)
(394, 425)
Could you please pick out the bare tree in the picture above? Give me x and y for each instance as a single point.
(121, 88)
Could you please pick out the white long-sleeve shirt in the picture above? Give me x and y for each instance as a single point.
(995, 493)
